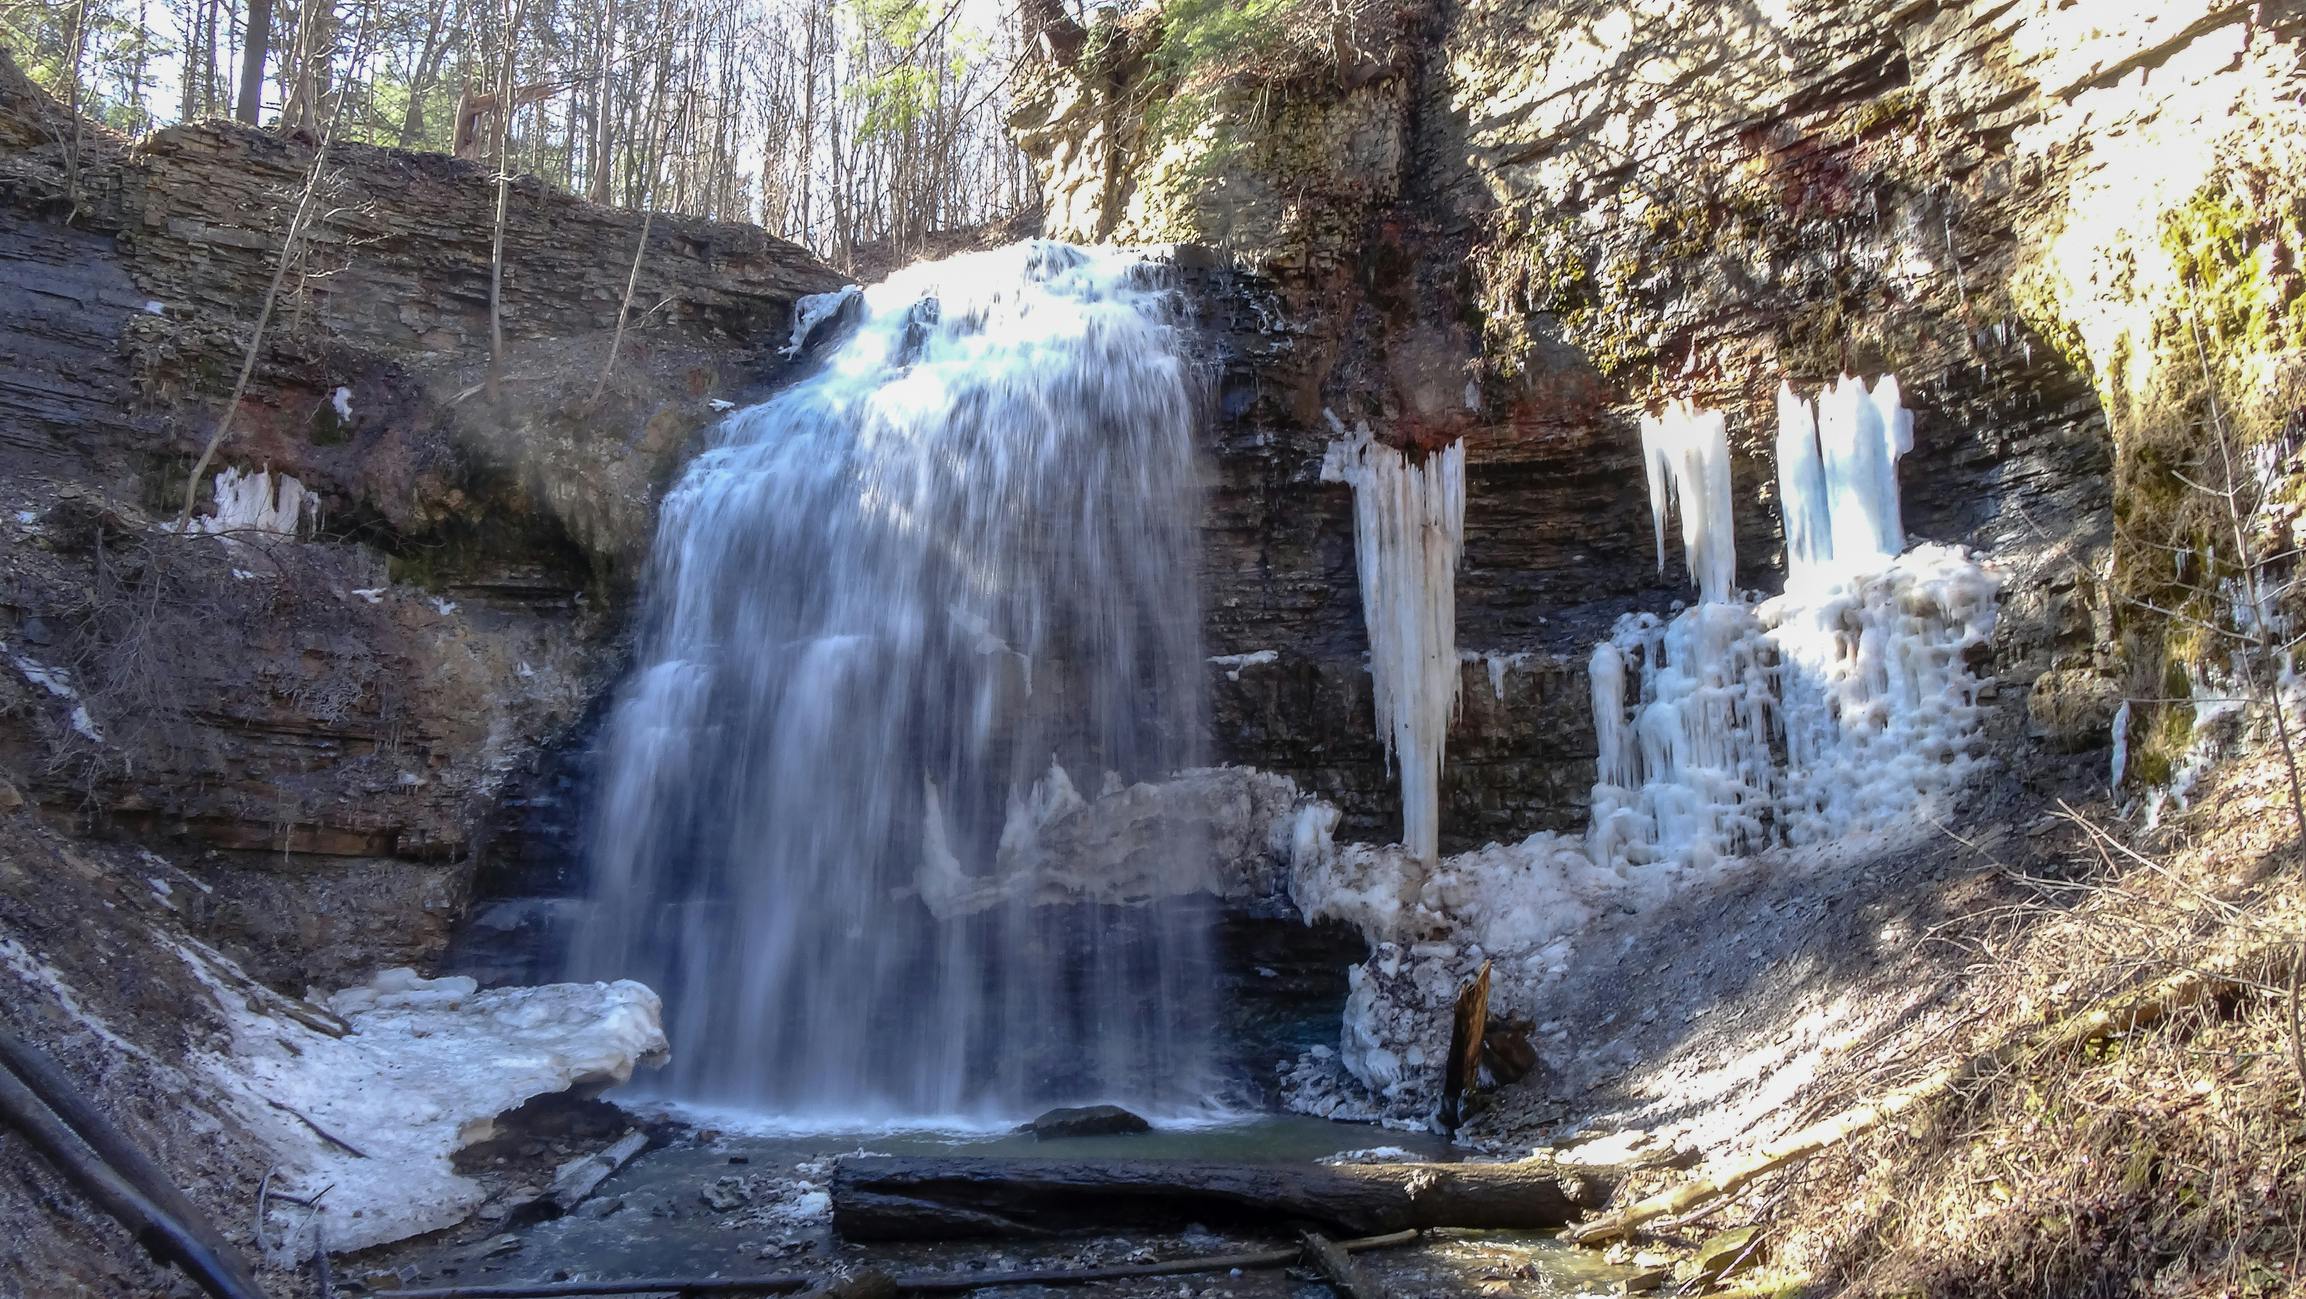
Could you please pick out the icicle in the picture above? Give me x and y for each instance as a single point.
(258, 502)
(1409, 529)
(1842, 518)
(2121, 765)
(1802, 486)
(1830, 709)
(1686, 451)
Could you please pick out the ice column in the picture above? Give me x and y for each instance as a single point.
(1408, 530)
(1686, 454)
(1838, 476)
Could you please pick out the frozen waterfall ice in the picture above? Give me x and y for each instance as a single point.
(1685, 452)
(1838, 477)
(891, 608)
(1408, 531)
(1830, 709)
(1729, 729)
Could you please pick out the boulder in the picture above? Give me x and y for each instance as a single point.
(1086, 1121)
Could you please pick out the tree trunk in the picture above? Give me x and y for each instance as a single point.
(942, 1198)
(257, 43)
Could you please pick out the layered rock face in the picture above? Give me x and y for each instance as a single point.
(1523, 224)
(317, 723)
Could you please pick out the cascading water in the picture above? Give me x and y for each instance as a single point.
(892, 608)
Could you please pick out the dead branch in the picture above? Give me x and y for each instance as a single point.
(1336, 1266)
(185, 1243)
(296, 223)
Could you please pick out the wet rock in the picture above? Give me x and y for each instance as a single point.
(725, 1195)
(1086, 1121)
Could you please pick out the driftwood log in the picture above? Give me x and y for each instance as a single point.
(945, 1198)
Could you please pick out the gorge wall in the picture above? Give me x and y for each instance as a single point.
(1524, 224)
(320, 726)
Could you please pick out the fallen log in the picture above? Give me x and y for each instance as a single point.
(162, 1234)
(944, 1198)
(692, 1285)
(42, 1076)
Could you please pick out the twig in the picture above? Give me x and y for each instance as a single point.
(325, 1135)
(2297, 1038)
(271, 294)
(263, 1186)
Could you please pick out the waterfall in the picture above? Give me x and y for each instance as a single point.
(894, 612)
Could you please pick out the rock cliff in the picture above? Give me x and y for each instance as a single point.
(1523, 224)
(319, 724)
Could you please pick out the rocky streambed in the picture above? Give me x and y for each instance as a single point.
(718, 1198)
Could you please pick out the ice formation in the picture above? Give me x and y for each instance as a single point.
(1841, 704)
(261, 502)
(812, 311)
(1838, 477)
(427, 1068)
(1234, 663)
(1685, 452)
(1837, 709)
(1408, 531)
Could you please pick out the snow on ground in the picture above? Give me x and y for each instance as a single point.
(373, 1117)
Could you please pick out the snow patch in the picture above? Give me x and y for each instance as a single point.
(1234, 663)
(426, 1069)
(58, 682)
(341, 402)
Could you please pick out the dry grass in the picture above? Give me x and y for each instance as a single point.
(2169, 1160)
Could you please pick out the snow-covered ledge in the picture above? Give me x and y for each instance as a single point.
(426, 1069)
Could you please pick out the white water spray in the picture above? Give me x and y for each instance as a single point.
(891, 607)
